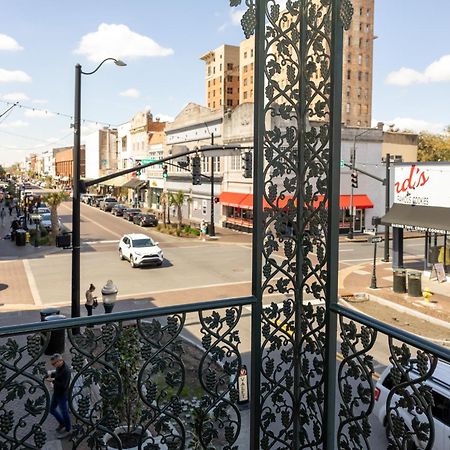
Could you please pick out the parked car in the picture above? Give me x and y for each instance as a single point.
(46, 222)
(140, 250)
(145, 220)
(118, 209)
(129, 213)
(42, 210)
(96, 201)
(440, 390)
(107, 203)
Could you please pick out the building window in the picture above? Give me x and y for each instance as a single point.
(229, 90)
(349, 58)
(367, 28)
(245, 69)
(367, 76)
(220, 67)
(230, 66)
(360, 43)
(209, 70)
(245, 55)
(245, 81)
(359, 92)
(251, 93)
(214, 104)
(235, 162)
(359, 123)
(217, 164)
(348, 91)
(251, 66)
(359, 109)
(347, 108)
(368, 12)
(359, 76)
(349, 74)
(214, 70)
(367, 43)
(220, 79)
(245, 95)
(349, 41)
(359, 59)
(209, 83)
(214, 93)
(360, 11)
(230, 78)
(220, 102)
(360, 27)
(229, 102)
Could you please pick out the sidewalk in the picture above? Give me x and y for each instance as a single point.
(357, 279)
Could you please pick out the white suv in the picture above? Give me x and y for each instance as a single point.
(140, 250)
(440, 390)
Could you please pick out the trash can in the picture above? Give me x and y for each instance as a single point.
(63, 240)
(57, 341)
(21, 238)
(399, 281)
(415, 284)
(48, 312)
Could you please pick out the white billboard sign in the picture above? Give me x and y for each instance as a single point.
(422, 184)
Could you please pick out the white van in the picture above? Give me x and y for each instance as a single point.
(440, 386)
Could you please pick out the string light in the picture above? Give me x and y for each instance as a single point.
(56, 113)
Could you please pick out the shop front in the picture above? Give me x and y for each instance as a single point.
(238, 210)
(421, 204)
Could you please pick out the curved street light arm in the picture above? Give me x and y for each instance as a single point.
(116, 61)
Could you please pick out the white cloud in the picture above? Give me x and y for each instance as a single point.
(437, 71)
(9, 43)
(118, 41)
(416, 125)
(15, 97)
(18, 76)
(164, 117)
(236, 16)
(38, 114)
(38, 101)
(132, 92)
(14, 124)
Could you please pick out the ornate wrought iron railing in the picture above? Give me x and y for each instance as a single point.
(313, 362)
(168, 374)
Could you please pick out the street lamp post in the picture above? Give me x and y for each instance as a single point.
(212, 229)
(373, 281)
(75, 295)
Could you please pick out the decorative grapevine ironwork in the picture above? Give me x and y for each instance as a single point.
(410, 394)
(24, 398)
(130, 374)
(356, 385)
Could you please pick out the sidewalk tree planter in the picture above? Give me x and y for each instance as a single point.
(54, 200)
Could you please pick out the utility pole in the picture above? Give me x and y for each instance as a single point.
(387, 206)
(212, 230)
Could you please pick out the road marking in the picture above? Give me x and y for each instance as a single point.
(113, 241)
(32, 283)
(343, 250)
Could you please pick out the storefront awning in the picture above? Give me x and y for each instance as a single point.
(116, 182)
(238, 200)
(420, 218)
(134, 183)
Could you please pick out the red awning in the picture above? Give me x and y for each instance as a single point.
(238, 200)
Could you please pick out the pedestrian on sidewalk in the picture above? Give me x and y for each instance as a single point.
(10, 207)
(60, 378)
(91, 301)
(2, 215)
(203, 230)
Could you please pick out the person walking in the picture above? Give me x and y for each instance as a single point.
(10, 207)
(60, 377)
(2, 216)
(203, 230)
(91, 301)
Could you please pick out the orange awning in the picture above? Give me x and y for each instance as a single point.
(238, 200)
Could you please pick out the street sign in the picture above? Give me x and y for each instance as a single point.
(342, 163)
(147, 161)
(375, 239)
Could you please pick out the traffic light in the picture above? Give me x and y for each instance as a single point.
(354, 179)
(196, 171)
(247, 166)
(138, 171)
(165, 172)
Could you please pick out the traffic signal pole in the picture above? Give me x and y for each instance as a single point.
(387, 206)
(212, 229)
(352, 216)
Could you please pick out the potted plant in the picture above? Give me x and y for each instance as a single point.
(128, 406)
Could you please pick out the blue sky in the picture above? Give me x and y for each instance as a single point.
(42, 40)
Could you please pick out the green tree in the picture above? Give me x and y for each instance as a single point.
(177, 200)
(54, 199)
(433, 147)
